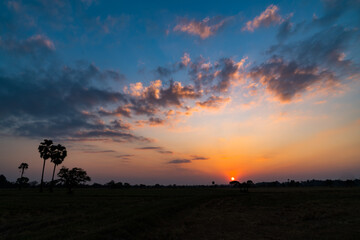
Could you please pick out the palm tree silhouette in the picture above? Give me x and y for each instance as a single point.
(23, 166)
(58, 154)
(45, 153)
(21, 180)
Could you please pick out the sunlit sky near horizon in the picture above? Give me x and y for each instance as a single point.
(182, 92)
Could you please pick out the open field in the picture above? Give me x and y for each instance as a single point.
(181, 213)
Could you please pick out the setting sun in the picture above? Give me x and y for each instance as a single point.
(232, 178)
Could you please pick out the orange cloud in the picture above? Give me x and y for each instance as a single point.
(265, 19)
(204, 29)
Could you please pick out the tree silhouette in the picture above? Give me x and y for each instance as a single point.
(45, 153)
(22, 181)
(22, 166)
(58, 154)
(73, 177)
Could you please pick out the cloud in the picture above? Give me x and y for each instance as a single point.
(326, 47)
(167, 71)
(213, 102)
(119, 111)
(286, 79)
(217, 77)
(36, 46)
(165, 152)
(146, 100)
(100, 151)
(195, 157)
(179, 161)
(58, 102)
(118, 124)
(185, 60)
(204, 29)
(269, 17)
(112, 23)
(110, 133)
(334, 9)
(149, 148)
(153, 121)
(317, 62)
(125, 156)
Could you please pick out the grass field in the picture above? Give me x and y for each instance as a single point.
(189, 213)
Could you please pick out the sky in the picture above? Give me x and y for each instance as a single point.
(182, 92)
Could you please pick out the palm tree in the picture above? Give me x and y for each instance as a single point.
(22, 166)
(45, 153)
(58, 154)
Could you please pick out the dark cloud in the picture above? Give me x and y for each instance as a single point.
(334, 9)
(195, 157)
(288, 29)
(286, 79)
(215, 78)
(59, 103)
(165, 152)
(119, 111)
(125, 156)
(111, 134)
(155, 96)
(318, 61)
(325, 48)
(153, 121)
(179, 161)
(34, 45)
(99, 151)
(149, 148)
(213, 102)
(118, 124)
(164, 72)
(156, 121)
(228, 69)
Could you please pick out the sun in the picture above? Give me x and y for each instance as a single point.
(232, 178)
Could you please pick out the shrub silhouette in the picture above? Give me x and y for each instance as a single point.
(244, 187)
(58, 154)
(45, 153)
(73, 177)
(22, 181)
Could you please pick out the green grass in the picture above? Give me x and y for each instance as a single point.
(190, 213)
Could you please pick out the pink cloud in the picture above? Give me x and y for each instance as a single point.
(204, 29)
(185, 60)
(265, 19)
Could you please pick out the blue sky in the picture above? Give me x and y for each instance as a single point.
(189, 91)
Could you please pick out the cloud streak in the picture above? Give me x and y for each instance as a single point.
(179, 161)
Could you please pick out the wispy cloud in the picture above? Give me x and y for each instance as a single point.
(36, 45)
(149, 148)
(179, 161)
(165, 152)
(213, 102)
(269, 17)
(204, 29)
(196, 157)
(99, 151)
